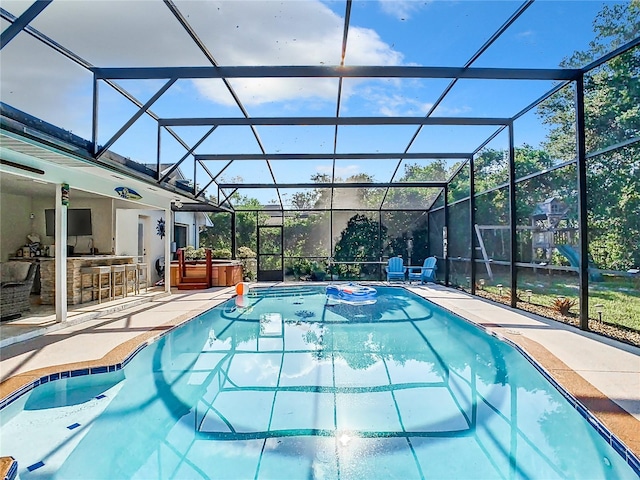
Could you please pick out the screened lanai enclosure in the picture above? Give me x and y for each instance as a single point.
(324, 137)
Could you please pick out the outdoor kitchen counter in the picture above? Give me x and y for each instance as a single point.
(74, 264)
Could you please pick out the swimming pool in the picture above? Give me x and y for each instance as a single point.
(284, 384)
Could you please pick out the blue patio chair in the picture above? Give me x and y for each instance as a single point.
(395, 269)
(427, 272)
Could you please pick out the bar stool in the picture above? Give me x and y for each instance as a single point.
(143, 276)
(96, 287)
(118, 280)
(131, 278)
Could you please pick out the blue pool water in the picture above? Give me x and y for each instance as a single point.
(286, 384)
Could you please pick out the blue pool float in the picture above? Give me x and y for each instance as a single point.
(352, 293)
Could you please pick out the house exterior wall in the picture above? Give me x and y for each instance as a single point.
(126, 221)
(193, 221)
(15, 221)
(102, 229)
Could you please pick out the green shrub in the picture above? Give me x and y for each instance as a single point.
(192, 253)
(302, 267)
(221, 253)
(246, 252)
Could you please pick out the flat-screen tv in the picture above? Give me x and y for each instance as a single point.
(78, 221)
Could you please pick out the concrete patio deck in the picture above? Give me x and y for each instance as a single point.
(603, 374)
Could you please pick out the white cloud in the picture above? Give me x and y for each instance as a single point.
(452, 111)
(525, 34)
(342, 172)
(395, 100)
(259, 91)
(300, 33)
(401, 9)
(145, 33)
(397, 105)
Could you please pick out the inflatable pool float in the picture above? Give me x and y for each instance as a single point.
(352, 293)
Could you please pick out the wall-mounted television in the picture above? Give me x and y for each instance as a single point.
(78, 221)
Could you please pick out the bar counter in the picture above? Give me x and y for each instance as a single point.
(74, 278)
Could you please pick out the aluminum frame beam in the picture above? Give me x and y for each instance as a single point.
(186, 155)
(338, 121)
(202, 47)
(132, 120)
(513, 219)
(332, 185)
(498, 33)
(22, 21)
(583, 212)
(313, 71)
(332, 156)
(605, 58)
(345, 37)
(200, 207)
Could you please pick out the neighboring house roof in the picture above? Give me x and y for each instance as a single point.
(165, 167)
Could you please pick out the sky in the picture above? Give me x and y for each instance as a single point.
(291, 32)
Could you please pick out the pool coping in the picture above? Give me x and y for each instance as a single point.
(611, 421)
(617, 426)
(17, 385)
(20, 384)
(8, 468)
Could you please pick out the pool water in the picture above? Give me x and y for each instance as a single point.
(286, 383)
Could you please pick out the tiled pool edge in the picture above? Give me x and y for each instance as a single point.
(124, 352)
(8, 465)
(81, 317)
(114, 360)
(619, 446)
(8, 468)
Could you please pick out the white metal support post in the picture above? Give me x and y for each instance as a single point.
(61, 258)
(168, 221)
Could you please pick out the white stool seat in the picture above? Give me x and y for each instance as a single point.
(131, 278)
(118, 281)
(143, 276)
(96, 286)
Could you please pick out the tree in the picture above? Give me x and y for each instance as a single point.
(219, 236)
(359, 242)
(356, 198)
(492, 172)
(612, 116)
(419, 197)
(305, 200)
(307, 234)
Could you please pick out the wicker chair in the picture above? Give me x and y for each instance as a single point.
(17, 280)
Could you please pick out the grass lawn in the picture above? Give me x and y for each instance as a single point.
(619, 296)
